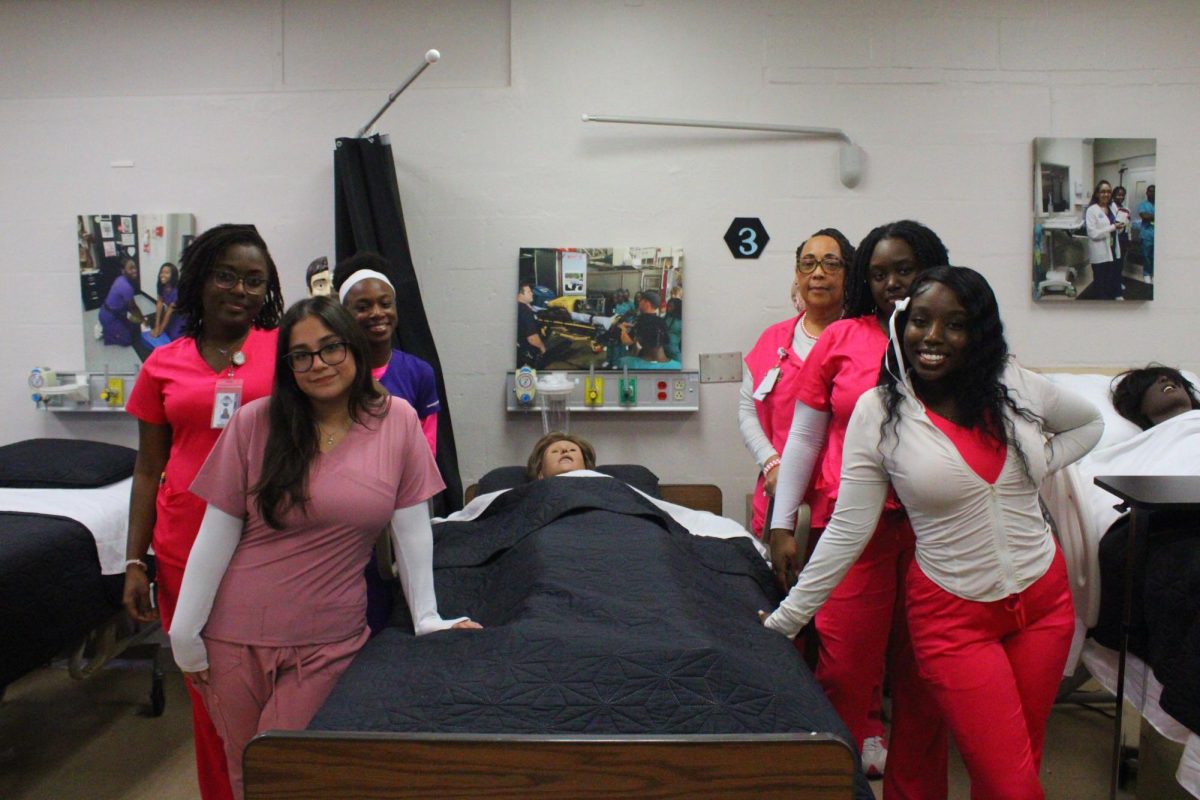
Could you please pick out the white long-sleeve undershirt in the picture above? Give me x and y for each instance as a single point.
(218, 538)
(805, 440)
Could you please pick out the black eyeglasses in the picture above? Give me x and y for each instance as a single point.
(227, 279)
(332, 354)
(830, 263)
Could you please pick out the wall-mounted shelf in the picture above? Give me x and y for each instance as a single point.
(651, 391)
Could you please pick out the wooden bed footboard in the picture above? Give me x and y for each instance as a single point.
(314, 765)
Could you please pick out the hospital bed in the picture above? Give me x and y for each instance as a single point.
(621, 656)
(1083, 512)
(64, 510)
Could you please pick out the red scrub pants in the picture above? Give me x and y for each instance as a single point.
(211, 770)
(863, 625)
(994, 669)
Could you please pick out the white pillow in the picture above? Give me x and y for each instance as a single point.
(1098, 390)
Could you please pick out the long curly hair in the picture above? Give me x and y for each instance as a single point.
(197, 263)
(980, 393)
(292, 436)
(927, 248)
(1130, 387)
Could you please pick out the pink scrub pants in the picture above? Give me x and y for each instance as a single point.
(211, 771)
(253, 688)
(863, 625)
(994, 669)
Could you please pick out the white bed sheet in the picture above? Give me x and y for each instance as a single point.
(103, 511)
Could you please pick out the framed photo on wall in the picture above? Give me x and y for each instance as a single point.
(1093, 219)
(604, 308)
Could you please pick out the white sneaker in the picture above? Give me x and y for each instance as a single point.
(874, 756)
(1147, 278)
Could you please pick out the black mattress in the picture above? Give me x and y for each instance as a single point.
(51, 590)
(602, 616)
(1165, 621)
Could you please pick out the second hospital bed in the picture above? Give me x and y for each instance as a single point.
(1082, 514)
(64, 510)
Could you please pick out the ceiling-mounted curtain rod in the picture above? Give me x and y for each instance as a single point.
(850, 156)
(431, 57)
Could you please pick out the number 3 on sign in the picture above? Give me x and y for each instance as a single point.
(746, 237)
(749, 245)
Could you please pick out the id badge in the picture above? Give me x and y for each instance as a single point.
(226, 400)
(767, 384)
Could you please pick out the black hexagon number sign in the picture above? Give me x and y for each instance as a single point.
(746, 237)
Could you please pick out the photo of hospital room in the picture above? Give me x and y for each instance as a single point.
(293, 505)
(1114, 260)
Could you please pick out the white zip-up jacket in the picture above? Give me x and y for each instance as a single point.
(976, 540)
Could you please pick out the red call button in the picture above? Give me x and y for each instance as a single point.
(662, 386)
(662, 395)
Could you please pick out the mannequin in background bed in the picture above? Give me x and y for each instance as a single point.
(1153, 394)
(229, 296)
(965, 437)
(299, 487)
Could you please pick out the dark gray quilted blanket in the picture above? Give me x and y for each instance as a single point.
(601, 615)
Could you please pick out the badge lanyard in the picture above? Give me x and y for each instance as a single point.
(227, 397)
(768, 381)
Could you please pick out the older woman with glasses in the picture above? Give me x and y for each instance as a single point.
(299, 487)
(767, 399)
(186, 392)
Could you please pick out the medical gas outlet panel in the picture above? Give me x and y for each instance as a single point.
(607, 391)
(79, 391)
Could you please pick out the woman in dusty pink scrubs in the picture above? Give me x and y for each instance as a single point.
(299, 487)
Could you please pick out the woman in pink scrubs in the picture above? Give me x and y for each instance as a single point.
(299, 487)
(773, 364)
(185, 394)
(862, 624)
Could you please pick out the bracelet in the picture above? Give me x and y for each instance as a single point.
(771, 464)
(136, 562)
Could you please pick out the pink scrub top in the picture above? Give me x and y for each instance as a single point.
(843, 364)
(176, 387)
(304, 584)
(776, 410)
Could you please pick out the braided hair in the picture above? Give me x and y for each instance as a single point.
(197, 264)
(927, 248)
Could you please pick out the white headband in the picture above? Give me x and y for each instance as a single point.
(363, 275)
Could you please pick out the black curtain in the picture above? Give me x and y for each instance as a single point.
(369, 218)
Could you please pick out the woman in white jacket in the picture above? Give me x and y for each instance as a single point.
(965, 437)
(1104, 248)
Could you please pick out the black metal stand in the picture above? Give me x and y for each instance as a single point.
(1141, 494)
